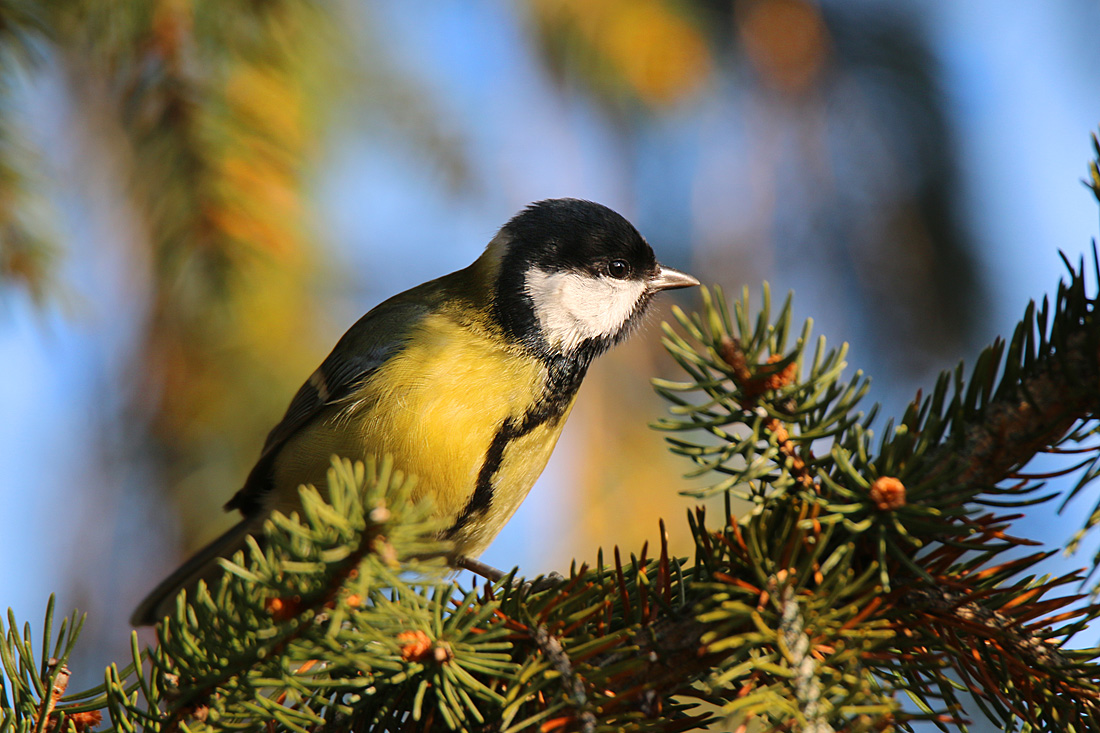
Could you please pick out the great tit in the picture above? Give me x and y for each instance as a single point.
(465, 380)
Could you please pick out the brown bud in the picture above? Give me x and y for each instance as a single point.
(282, 609)
(781, 378)
(888, 493)
(415, 645)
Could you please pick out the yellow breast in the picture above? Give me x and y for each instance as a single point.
(436, 407)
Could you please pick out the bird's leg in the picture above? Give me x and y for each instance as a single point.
(493, 575)
(478, 568)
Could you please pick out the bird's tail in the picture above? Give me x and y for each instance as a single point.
(203, 565)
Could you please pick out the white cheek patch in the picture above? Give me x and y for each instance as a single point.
(571, 307)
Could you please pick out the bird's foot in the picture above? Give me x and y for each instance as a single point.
(495, 576)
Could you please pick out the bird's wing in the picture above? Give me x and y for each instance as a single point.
(373, 339)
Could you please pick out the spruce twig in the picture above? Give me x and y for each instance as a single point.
(872, 563)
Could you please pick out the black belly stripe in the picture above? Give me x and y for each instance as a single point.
(482, 498)
(564, 380)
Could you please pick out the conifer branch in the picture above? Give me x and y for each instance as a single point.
(1038, 411)
(866, 568)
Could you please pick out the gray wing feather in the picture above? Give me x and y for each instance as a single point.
(373, 339)
(376, 337)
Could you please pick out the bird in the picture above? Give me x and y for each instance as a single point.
(465, 381)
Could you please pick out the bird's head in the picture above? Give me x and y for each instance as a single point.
(574, 277)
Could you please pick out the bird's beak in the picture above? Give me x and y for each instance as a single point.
(669, 279)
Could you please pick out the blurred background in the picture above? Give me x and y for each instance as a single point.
(198, 197)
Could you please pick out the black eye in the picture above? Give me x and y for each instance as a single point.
(618, 269)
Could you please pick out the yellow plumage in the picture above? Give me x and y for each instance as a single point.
(436, 407)
(466, 381)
